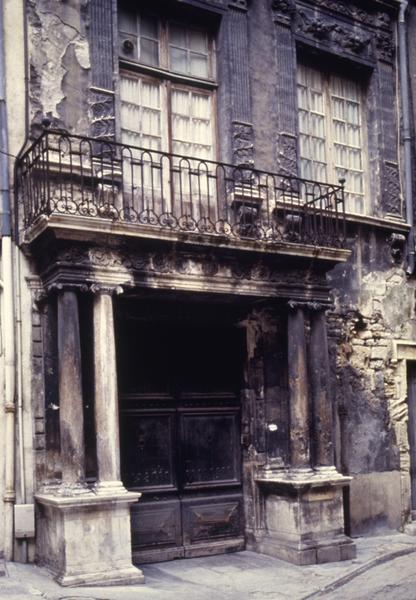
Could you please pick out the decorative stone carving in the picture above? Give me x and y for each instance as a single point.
(338, 37)
(102, 115)
(391, 200)
(287, 155)
(313, 306)
(243, 144)
(354, 11)
(260, 270)
(239, 4)
(385, 48)
(99, 288)
(397, 242)
(284, 10)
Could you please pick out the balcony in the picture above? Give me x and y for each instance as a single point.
(92, 185)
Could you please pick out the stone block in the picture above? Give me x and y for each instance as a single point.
(304, 519)
(348, 551)
(379, 352)
(86, 539)
(375, 502)
(328, 554)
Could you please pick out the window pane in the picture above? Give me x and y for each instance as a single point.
(140, 110)
(180, 102)
(149, 52)
(150, 94)
(178, 60)
(198, 41)
(199, 65)
(149, 27)
(127, 22)
(177, 36)
(201, 106)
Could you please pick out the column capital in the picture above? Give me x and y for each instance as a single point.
(307, 305)
(68, 286)
(104, 288)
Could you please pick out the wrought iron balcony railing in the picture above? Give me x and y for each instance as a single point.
(63, 174)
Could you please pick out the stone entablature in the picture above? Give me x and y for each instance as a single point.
(164, 267)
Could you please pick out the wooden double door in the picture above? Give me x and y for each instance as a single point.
(180, 437)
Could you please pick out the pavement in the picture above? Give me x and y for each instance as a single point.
(385, 568)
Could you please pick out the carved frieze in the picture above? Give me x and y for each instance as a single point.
(355, 12)
(363, 34)
(336, 36)
(129, 265)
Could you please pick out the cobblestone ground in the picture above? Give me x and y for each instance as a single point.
(385, 568)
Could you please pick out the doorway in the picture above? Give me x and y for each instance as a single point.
(179, 378)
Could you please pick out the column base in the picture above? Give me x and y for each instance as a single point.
(86, 540)
(304, 517)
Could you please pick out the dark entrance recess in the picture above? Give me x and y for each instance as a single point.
(411, 398)
(180, 370)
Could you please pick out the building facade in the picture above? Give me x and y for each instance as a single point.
(213, 281)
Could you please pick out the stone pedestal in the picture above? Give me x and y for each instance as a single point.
(86, 540)
(304, 517)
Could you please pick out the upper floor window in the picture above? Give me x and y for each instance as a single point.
(164, 105)
(331, 132)
(168, 45)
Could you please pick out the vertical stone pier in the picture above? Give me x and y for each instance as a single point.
(106, 396)
(84, 534)
(298, 390)
(303, 502)
(71, 418)
(321, 392)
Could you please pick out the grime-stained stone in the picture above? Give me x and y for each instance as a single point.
(106, 398)
(320, 385)
(71, 418)
(298, 386)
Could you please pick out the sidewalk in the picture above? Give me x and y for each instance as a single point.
(240, 576)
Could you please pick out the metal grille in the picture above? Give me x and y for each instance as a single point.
(96, 179)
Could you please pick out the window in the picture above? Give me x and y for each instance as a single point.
(167, 106)
(331, 132)
(157, 112)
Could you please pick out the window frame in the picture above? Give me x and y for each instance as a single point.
(329, 118)
(132, 67)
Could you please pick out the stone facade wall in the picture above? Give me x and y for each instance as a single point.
(373, 299)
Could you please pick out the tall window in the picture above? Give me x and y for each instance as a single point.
(331, 131)
(167, 105)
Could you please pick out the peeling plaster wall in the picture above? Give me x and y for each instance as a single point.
(59, 69)
(374, 305)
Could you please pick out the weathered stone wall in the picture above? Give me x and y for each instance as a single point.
(59, 64)
(374, 301)
(374, 306)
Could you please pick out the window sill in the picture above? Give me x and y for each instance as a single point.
(389, 222)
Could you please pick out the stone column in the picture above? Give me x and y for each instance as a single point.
(320, 385)
(106, 396)
(298, 389)
(71, 420)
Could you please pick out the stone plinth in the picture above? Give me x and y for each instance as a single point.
(304, 517)
(86, 540)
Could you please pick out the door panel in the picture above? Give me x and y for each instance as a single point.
(211, 518)
(149, 449)
(210, 450)
(156, 524)
(180, 439)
